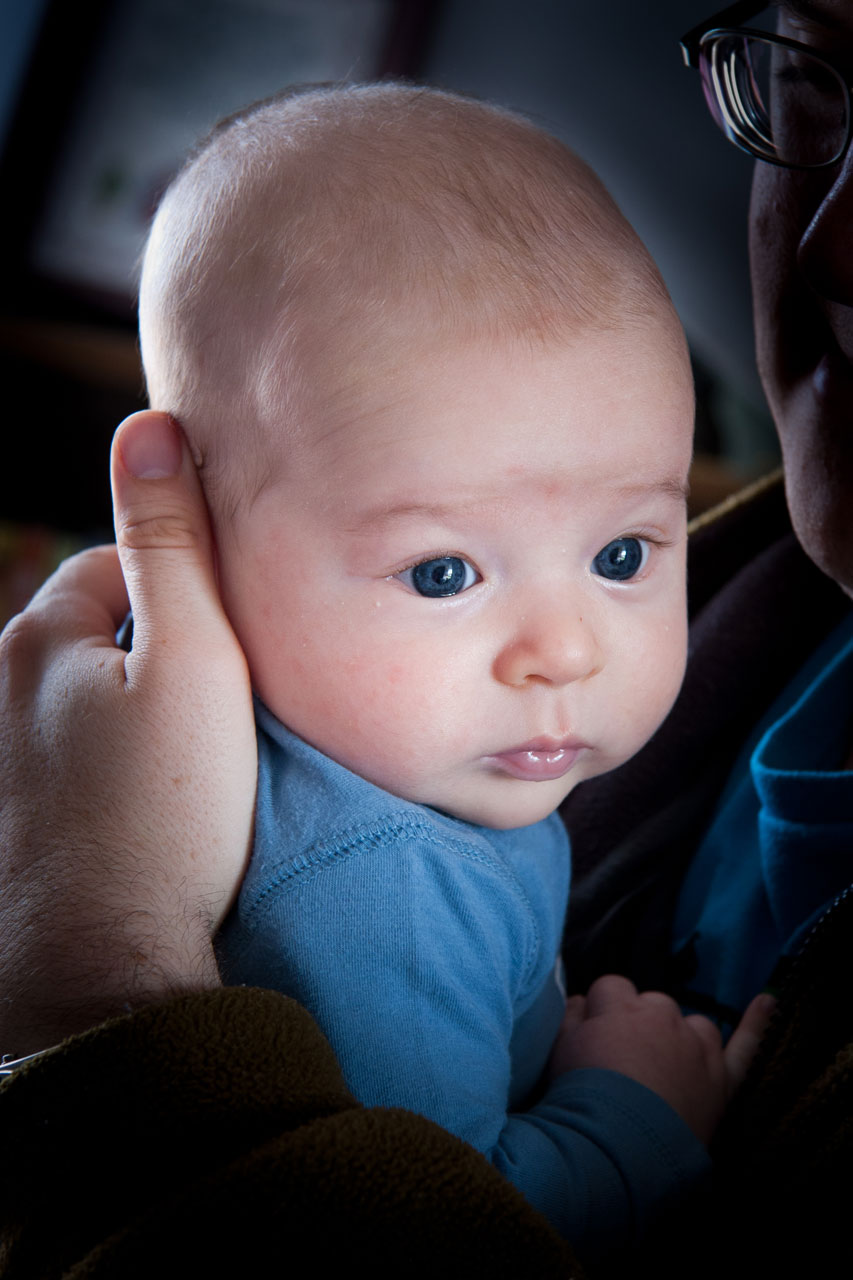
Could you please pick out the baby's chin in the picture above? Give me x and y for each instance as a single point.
(515, 804)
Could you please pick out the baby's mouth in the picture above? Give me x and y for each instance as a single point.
(542, 760)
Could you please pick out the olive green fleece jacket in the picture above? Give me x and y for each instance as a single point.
(213, 1136)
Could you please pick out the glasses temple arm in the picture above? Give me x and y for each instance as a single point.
(732, 16)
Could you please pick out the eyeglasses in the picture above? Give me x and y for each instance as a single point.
(772, 97)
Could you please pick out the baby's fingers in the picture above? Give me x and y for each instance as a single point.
(746, 1038)
(574, 1013)
(706, 1031)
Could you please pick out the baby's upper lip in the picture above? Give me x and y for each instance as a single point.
(545, 745)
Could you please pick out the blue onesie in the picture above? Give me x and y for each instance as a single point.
(427, 949)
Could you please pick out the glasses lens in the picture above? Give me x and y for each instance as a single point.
(779, 103)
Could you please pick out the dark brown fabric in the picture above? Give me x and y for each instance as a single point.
(214, 1136)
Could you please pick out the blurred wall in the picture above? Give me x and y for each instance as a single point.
(19, 24)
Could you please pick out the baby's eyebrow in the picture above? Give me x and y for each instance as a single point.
(668, 486)
(673, 487)
(377, 517)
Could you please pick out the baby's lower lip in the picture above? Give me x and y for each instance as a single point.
(537, 764)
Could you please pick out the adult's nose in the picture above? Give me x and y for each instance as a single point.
(825, 254)
(551, 645)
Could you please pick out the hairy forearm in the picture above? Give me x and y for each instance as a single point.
(60, 976)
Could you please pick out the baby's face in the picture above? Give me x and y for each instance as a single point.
(469, 586)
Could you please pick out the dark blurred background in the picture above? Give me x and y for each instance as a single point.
(99, 102)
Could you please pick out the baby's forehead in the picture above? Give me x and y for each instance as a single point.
(436, 396)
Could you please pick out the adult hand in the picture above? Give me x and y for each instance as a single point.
(127, 781)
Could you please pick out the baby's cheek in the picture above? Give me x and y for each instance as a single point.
(390, 702)
(396, 674)
(665, 660)
(390, 721)
(645, 669)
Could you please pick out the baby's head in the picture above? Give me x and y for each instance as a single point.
(443, 412)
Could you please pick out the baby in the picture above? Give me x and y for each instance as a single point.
(443, 410)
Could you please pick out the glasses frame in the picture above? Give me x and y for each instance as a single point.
(727, 23)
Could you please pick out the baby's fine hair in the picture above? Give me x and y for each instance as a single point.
(366, 214)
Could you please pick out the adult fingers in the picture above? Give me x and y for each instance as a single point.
(746, 1037)
(84, 600)
(78, 608)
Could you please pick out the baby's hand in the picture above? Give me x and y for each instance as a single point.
(647, 1037)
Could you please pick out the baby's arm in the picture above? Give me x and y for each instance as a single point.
(646, 1037)
(417, 957)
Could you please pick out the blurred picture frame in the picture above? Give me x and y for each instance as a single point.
(117, 95)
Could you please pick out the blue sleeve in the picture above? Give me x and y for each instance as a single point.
(602, 1157)
(414, 959)
(411, 956)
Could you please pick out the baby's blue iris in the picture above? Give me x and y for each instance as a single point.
(620, 560)
(443, 577)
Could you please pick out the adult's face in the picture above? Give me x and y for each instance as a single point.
(801, 249)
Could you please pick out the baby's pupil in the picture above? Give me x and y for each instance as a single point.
(620, 558)
(443, 577)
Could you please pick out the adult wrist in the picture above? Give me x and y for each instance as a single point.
(61, 988)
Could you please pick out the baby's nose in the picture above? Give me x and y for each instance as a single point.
(551, 647)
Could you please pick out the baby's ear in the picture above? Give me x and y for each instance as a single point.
(197, 455)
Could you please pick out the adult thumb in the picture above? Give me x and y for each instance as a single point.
(188, 703)
(164, 542)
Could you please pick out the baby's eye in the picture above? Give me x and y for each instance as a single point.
(444, 576)
(622, 559)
